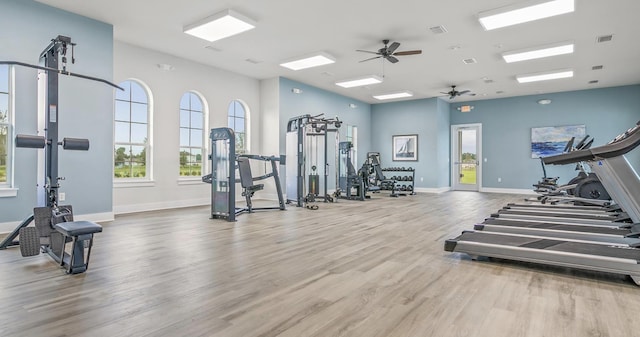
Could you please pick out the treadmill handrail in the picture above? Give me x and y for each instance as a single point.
(620, 146)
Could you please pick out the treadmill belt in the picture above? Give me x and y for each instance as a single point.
(558, 227)
(559, 215)
(554, 245)
(542, 244)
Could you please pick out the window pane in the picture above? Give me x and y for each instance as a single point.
(126, 94)
(231, 123)
(184, 118)
(138, 154)
(122, 132)
(184, 137)
(239, 109)
(138, 113)
(196, 103)
(196, 137)
(239, 125)
(196, 120)
(231, 110)
(4, 158)
(138, 133)
(184, 102)
(184, 162)
(123, 111)
(138, 161)
(196, 154)
(121, 167)
(137, 93)
(240, 142)
(4, 108)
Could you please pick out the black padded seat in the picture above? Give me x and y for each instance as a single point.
(77, 228)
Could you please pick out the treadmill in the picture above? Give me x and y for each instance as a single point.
(620, 180)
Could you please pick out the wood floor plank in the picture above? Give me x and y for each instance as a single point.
(373, 268)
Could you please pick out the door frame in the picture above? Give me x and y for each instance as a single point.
(454, 155)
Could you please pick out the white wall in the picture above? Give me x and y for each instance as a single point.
(218, 87)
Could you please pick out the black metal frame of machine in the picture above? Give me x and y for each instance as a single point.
(54, 225)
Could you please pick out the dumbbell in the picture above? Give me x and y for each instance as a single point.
(410, 188)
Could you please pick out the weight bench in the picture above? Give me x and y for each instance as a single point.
(54, 228)
(81, 234)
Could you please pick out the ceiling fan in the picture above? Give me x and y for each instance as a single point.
(453, 93)
(389, 53)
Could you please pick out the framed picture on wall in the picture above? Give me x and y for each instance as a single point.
(405, 148)
(549, 141)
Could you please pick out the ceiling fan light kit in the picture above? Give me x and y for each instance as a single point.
(524, 12)
(360, 81)
(309, 61)
(388, 52)
(220, 25)
(453, 93)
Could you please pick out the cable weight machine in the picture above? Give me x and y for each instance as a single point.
(306, 140)
(54, 224)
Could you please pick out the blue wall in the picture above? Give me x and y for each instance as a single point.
(85, 107)
(507, 123)
(429, 119)
(506, 127)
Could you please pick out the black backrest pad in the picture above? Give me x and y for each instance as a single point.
(246, 179)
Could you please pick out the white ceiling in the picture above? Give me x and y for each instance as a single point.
(289, 28)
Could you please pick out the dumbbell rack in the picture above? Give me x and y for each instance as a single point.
(401, 178)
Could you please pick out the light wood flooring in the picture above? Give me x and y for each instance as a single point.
(373, 268)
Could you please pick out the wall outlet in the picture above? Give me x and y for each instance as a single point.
(421, 179)
(485, 160)
(499, 180)
(62, 196)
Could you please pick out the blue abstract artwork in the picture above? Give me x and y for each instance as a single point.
(549, 141)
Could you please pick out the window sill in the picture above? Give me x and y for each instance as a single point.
(8, 192)
(190, 181)
(133, 183)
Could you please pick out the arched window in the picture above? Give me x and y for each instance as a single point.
(132, 133)
(191, 134)
(5, 128)
(238, 122)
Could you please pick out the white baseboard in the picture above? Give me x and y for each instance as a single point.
(432, 190)
(8, 227)
(507, 190)
(155, 206)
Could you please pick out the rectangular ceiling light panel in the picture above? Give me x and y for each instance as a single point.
(220, 25)
(524, 12)
(545, 76)
(401, 94)
(315, 60)
(358, 82)
(539, 52)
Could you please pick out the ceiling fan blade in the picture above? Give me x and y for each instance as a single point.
(408, 52)
(463, 92)
(392, 59)
(369, 59)
(393, 47)
(367, 51)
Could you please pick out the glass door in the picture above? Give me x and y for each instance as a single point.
(466, 158)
